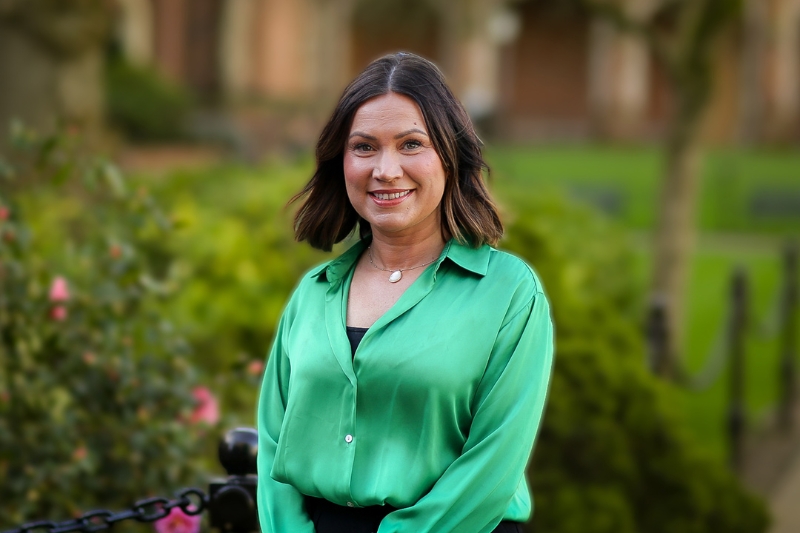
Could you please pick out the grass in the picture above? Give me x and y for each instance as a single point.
(709, 294)
(742, 191)
(734, 233)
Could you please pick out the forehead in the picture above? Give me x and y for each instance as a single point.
(390, 110)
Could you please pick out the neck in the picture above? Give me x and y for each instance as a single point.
(397, 254)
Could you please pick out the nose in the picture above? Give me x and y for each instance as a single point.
(387, 167)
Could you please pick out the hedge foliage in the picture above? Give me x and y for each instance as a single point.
(145, 106)
(235, 260)
(98, 400)
(612, 455)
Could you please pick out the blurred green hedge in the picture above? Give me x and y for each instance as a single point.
(143, 105)
(235, 262)
(99, 405)
(612, 455)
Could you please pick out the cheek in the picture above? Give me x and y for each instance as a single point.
(355, 171)
(353, 182)
(437, 178)
(347, 164)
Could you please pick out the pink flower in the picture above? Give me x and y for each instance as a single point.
(59, 292)
(80, 453)
(58, 313)
(178, 522)
(255, 367)
(4, 212)
(207, 409)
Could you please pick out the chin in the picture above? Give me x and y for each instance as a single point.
(388, 225)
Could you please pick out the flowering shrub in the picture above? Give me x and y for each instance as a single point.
(97, 393)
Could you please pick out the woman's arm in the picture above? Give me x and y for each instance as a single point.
(280, 506)
(477, 488)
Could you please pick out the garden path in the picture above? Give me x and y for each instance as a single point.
(771, 468)
(785, 501)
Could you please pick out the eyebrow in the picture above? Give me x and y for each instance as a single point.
(398, 136)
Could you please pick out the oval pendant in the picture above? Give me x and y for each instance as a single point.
(396, 276)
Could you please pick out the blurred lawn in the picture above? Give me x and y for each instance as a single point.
(734, 232)
(738, 186)
(713, 264)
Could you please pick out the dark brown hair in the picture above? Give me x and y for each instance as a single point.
(468, 212)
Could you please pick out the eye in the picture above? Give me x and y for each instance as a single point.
(361, 147)
(412, 145)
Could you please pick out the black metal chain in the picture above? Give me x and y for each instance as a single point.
(191, 501)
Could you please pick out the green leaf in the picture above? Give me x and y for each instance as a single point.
(7, 172)
(19, 135)
(62, 174)
(114, 179)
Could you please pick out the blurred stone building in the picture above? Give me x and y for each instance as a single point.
(525, 69)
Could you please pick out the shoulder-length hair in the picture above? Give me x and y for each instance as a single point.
(468, 213)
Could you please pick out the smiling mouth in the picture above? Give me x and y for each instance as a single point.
(390, 195)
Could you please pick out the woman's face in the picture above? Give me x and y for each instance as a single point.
(394, 177)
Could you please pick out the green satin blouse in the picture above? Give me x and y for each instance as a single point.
(435, 414)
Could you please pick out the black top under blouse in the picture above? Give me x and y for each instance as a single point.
(354, 335)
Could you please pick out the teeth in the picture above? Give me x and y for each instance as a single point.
(391, 196)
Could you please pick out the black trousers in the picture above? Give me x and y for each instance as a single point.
(331, 518)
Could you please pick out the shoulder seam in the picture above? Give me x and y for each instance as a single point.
(528, 268)
(524, 309)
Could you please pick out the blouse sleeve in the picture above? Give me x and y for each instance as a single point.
(477, 487)
(280, 506)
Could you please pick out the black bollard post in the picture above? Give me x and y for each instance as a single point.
(232, 502)
(788, 372)
(656, 332)
(736, 414)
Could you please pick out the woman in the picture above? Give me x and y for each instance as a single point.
(407, 378)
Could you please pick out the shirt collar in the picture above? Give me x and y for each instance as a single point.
(471, 259)
(475, 260)
(336, 269)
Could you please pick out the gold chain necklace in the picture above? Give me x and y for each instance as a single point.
(396, 273)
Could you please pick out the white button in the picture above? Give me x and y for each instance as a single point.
(350, 504)
(348, 439)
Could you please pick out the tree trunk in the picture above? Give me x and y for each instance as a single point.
(687, 52)
(675, 230)
(756, 35)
